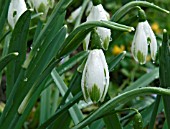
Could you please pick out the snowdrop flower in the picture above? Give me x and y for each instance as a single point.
(98, 13)
(74, 15)
(16, 9)
(95, 78)
(41, 6)
(144, 36)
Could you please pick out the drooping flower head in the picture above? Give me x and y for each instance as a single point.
(41, 6)
(95, 78)
(98, 13)
(16, 9)
(144, 36)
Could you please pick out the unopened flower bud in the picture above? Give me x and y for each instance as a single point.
(95, 78)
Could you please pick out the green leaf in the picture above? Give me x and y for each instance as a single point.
(18, 43)
(164, 71)
(76, 37)
(112, 121)
(122, 98)
(61, 110)
(62, 122)
(98, 124)
(75, 112)
(143, 81)
(71, 62)
(45, 104)
(4, 5)
(6, 59)
(116, 60)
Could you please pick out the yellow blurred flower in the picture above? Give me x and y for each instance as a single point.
(155, 27)
(117, 50)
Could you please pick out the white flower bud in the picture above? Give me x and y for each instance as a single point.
(16, 9)
(143, 36)
(95, 78)
(98, 13)
(41, 6)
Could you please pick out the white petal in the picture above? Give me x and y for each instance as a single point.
(153, 46)
(74, 14)
(97, 14)
(139, 45)
(87, 40)
(106, 75)
(16, 9)
(105, 35)
(152, 38)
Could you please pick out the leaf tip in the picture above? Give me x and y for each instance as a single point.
(16, 53)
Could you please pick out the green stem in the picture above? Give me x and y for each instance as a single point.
(131, 5)
(96, 2)
(122, 98)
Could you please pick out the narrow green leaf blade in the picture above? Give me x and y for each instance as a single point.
(18, 43)
(6, 59)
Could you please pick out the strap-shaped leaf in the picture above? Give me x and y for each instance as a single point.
(6, 59)
(18, 43)
(122, 98)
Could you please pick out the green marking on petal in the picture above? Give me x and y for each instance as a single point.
(106, 43)
(95, 93)
(104, 72)
(140, 57)
(86, 92)
(148, 40)
(102, 97)
(42, 8)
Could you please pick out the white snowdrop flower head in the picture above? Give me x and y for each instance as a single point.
(144, 36)
(95, 78)
(41, 6)
(16, 9)
(98, 13)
